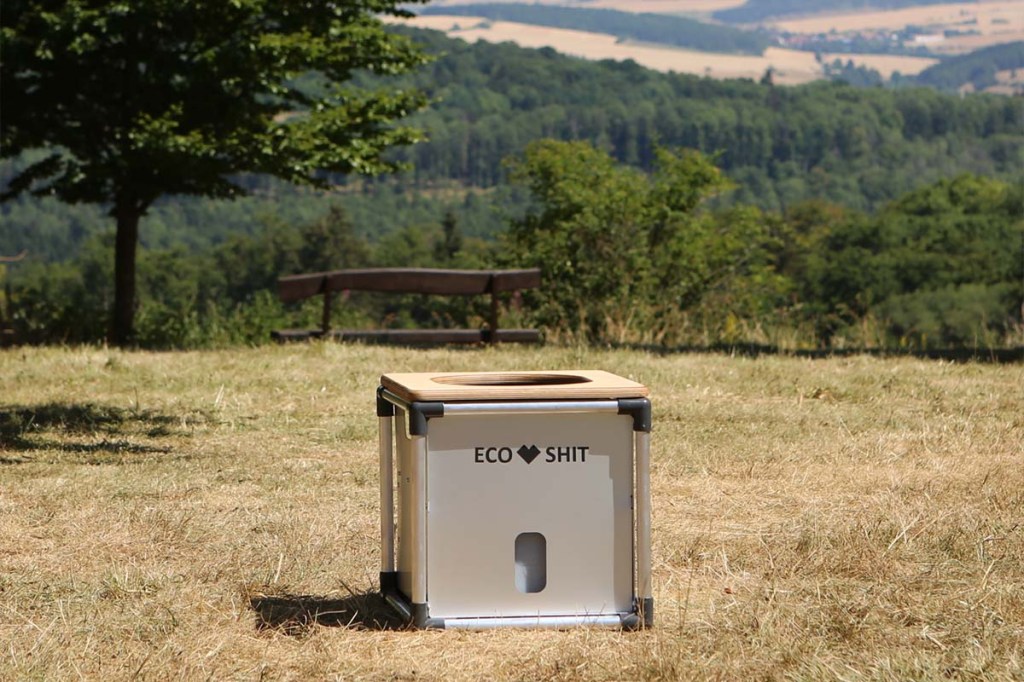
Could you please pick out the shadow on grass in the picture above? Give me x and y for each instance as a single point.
(753, 350)
(295, 614)
(113, 433)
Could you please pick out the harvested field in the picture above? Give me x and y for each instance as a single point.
(653, 6)
(791, 66)
(1001, 21)
(1011, 77)
(964, 44)
(668, 6)
(213, 515)
(995, 21)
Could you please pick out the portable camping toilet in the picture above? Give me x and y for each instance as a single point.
(523, 499)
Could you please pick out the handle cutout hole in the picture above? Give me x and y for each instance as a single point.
(531, 562)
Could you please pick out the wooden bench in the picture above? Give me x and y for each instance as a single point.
(410, 281)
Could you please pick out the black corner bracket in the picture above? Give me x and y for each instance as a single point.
(419, 413)
(388, 582)
(642, 617)
(422, 621)
(640, 410)
(391, 594)
(384, 408)
(647, 611)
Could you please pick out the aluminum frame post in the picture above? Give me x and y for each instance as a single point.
(642, 449)
(387, 495)
(419, 518)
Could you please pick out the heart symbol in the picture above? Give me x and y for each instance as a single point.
(528, 453)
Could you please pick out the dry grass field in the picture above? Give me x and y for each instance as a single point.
(213, 515)
(792, 67)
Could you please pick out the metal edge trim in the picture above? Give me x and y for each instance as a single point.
(613, 620)
(530, 407)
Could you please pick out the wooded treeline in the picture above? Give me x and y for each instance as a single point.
(979, 68)
(627, 257)
(54, 231)
(663, 209)
(858, 147)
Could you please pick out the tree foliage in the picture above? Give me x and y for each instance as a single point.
(622, 251)
(627, 255)
(226, 294)
(861, 147)
(942, 265)
(135, 100)
(637, 238)
(852, 74)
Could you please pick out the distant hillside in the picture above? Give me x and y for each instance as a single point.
(54, 231)
(977, 69)
(759, 10)
(857, 146)
(650, 28)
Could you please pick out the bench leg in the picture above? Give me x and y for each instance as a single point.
(493, 322)
(325, 318)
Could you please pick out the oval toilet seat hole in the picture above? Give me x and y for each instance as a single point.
(511, 379)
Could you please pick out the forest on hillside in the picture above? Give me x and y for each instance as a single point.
(978, 69)
(818, 216)
(53, 231)
(856, 147)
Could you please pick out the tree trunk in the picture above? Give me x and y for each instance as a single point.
(122, 329)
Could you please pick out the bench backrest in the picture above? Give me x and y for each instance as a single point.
(408, 281)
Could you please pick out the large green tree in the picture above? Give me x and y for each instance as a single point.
(136, 99)
(624, 253)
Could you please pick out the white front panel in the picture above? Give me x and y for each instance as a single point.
(482, 495)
